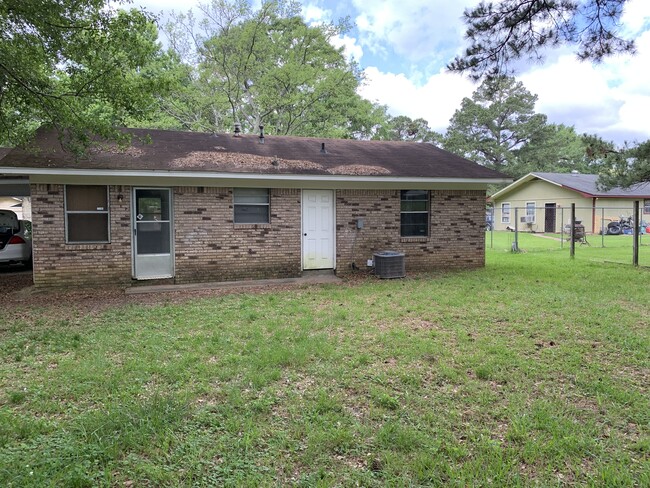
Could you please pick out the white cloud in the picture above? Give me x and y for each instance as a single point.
(611, 99)
(434, 101)
(314, 14)
(416, 30)
(351, 49)
(636, 15)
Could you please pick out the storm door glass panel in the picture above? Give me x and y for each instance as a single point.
(152, 221)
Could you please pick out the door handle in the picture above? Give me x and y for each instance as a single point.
(305, 234)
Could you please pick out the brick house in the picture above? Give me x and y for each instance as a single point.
(195, 207)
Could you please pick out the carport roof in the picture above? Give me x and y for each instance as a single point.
(187, 152)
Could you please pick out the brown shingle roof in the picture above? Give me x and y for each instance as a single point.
(224, 153)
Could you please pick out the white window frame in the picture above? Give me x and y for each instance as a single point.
(106, 212)
(235, 204)
(531, 211)
(427, 212)
(504, 219)
(646, 206)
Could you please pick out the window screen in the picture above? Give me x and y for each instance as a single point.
(86, 213)
(414, 213)
(251, 205)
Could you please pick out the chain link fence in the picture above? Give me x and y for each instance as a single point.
(601, 232)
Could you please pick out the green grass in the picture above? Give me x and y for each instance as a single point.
(614, 249)
(532, 371)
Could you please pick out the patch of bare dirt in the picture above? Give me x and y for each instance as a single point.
(20, 299)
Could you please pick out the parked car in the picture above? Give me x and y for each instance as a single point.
(15, 239)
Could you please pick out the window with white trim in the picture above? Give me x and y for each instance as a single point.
(252, 205)
(414, 213)
(530, 212)
(646, 206)
(505, 213)
(86, 214)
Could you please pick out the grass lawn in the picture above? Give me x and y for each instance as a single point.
(532, 371)
(613, 249)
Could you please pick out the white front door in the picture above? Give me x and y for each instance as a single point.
(318, 229)
(153, 255)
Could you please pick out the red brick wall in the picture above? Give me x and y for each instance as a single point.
(209, 246)
(456, 234)
(59, 264)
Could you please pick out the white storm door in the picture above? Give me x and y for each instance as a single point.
(153, 255)
(318, 229)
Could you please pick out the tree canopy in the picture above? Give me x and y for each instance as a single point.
(497, 121)
(78, 65)
(499, 128)
(503, 32)
(264, 67)
(626, 166)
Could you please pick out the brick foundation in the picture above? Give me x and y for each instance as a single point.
(209, 246)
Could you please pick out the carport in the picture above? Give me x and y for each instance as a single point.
(14, 187)
(14, 277)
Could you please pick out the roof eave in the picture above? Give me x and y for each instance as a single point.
(213, 176)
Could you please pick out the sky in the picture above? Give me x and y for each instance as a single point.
(403, 46)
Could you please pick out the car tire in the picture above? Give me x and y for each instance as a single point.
(29, 263)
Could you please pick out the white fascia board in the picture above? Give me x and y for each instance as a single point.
(206, 178)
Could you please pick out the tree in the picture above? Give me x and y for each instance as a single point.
(266, 67)
(403, 128)
(496, 122)
(624, 167)
(78, 65)
(556, 148)
(506, 31)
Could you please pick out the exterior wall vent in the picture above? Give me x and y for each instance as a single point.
(389, 264)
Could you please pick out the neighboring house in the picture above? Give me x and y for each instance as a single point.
(194, 207)
(543, 202)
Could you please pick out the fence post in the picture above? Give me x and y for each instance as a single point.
(561, 227)
(573, 231)
(492, 218)
(515, 245)
(602, 227)
(637, 225)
